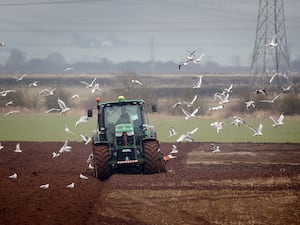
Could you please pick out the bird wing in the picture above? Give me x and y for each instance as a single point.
(276, 97)
(274, 121)
(252, 128)
(193, 131)
(61, 104)
(185, 112)
(194, 99)
(85, 83)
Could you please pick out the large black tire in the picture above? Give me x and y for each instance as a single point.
(102, 168)
(152, 157)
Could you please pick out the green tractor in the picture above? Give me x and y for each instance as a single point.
(124, 140)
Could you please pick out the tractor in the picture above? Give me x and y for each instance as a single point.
(124, 139)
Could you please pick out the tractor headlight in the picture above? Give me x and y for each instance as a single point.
(130, 133)
(119, 134)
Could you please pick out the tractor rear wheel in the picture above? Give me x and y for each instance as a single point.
(102, 168)
(152, 160)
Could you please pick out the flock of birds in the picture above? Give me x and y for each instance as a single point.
(64, 148)
(222, 98)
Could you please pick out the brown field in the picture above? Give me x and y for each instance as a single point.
(245, 183)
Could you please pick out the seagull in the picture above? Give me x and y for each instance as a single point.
(47, 92)
(198, 60)
(86, 139)
(20, 77)
(71, 186)
(271, 101)
(67, 130)
(133, 83)
(215, 148)
(217, 125)
(257, 131)
(187, 136)
(18, 148)
(170, 156)
(172, 132)
(273, 42)
(44, 186)
(4, 93)
(237, 121)
(33, 84)
(250, 104)
(224, 99)
(216, 108)
(90, 158)
(90, 166)
(279, 121)
(188, 104)
(89, 85)
(95, 88)
(2, 44)
(9, 103)
(260, 91)
(82, 119)
(190, 115)
(197, 81)
(68, 69)
(13, 176)
(288, 88)
(174, 149)
(65, 147)
(55, 155)
(75, 96)
(81, 176)
(1, 146)
(63, 106)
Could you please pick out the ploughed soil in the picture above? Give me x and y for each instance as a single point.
(245, 183)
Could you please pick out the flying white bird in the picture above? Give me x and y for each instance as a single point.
(81, 176)
(260, 91)
(55, 155)
(188, 104)
(44, 186)
(134, 83)
(174, 149)
(68, 69)
(10, 113)
(197, 81)
(9, 103)
(215, 108)
(172, 132)
(199, 59)
(273, 42)
(288, 88)
(67, 130)
(82, 119)
(75, 96)
(71, 186)
(250, 104)
(215, 148)
(190, 115)
(96, 88)
(65, 147)
(279, 121)
(33, 84)
(47, 92)
(62, 106)
(237, 121)
(85, 138)
(1, 146)
(13, 176)
(4, 93)
(18, 148)
(19, 78)
(224, 99)
(217, 125)
(257, 131)
(187, 136)
(2, 44)
(273, 77)
(89, 85)
(272, 100)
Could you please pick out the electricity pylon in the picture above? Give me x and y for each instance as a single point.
(270, 54)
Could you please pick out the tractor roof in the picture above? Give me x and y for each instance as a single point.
(122, 101)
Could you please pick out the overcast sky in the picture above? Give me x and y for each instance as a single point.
(121, 30)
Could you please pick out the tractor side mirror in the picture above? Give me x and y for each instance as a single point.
(90, 113)
(154, 108)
